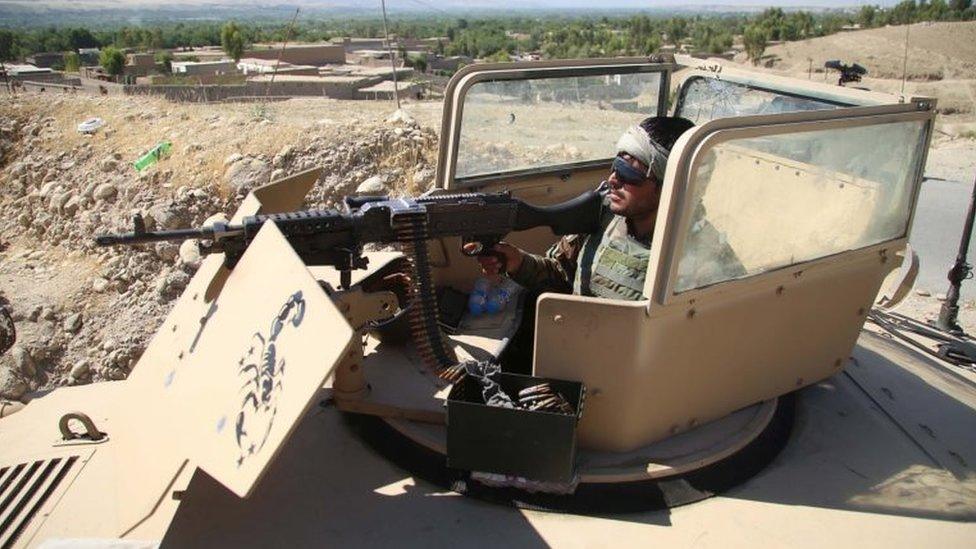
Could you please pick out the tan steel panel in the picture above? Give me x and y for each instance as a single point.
(288, 193)
(46, 492)
(154, 447)
(690, 363)
(934, 405)
(271, 345)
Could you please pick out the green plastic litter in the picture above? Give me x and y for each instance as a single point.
(153, 155)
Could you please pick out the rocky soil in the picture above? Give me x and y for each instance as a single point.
(85, 313)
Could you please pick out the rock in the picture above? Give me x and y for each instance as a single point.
(24, 220)
(373, 185)
(73, 323)
(100, 285)
(23, 361)
(47, 189)
(47, 313)
(35, 313)
(940, 297)
(167, 251)
(168, 217)
(277, 174)
(116, 374)
(59, 200)
(246, 174)
(108, 164)
(423, 176)
(923, 293)
(284, 154)
(106, 191)
(190, 253)
(169, 284)
(70, 207)
(11, 386)
(401, 116)
(215, 218)
(81, 369)
(233, 158)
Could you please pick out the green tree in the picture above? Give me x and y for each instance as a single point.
(166, 59)
(72, 62)
(6, 45)
(866, 15)
(6, 52)
(754, 40)
(232, 40)
(960, 6)
(418, 62)
(112, 60)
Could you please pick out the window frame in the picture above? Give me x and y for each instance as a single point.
(674, 222)
(470, 75)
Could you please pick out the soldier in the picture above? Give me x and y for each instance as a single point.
(611, 263)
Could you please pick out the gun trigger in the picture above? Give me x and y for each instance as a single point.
(471, 247)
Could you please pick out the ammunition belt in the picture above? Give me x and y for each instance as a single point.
(422, 311)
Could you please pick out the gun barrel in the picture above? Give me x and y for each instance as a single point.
(154, 236)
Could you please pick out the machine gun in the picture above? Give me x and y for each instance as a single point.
(330, 237)
(848, 73)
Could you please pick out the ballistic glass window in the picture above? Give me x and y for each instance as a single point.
(704, 99)
(517, 125)
(763, 203)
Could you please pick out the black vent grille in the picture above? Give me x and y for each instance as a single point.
(24, 488)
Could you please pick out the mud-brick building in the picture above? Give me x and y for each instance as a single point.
(300, 54)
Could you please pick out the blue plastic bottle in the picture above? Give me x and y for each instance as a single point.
(496, 301)
(479, 296)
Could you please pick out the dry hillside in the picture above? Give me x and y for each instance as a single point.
(941, 63)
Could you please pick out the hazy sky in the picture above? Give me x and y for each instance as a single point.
(449, 4)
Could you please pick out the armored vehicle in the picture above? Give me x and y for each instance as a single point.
(286, 402)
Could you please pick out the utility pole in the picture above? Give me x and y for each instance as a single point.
(960, 271)
(389, 49)
(281, 52)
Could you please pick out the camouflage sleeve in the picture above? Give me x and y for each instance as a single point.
(554, 271)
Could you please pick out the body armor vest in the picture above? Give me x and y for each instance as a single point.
(613, 266)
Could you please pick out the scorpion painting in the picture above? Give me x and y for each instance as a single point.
(261, 369)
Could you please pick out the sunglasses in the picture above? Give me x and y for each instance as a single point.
(627, 173)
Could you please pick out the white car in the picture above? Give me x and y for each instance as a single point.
(91, 125)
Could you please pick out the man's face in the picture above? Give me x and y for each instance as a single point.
(630, 200)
